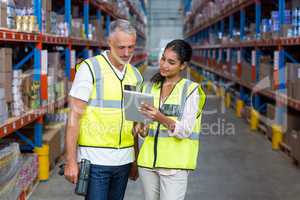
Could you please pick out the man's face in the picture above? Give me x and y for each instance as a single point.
(122, 46)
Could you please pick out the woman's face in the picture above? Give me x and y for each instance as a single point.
(169, 65)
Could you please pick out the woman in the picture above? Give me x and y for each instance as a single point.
(171, 144)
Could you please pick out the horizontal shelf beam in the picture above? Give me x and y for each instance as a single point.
(14, 124)
(282, 98)
(254, 43)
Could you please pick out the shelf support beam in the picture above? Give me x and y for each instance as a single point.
(242, 23)
(86, 8)
(107, 25)
(25, 139)
(257, 18)
(281, 13)
(24, 60)
(231, 25)
(68, 16)
(38, 13)
(68, 19)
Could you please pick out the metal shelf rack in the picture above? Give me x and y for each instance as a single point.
(221, 53)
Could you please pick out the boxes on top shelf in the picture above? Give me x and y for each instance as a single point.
(47, 5)
(3, 15)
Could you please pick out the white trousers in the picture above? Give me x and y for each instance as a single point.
(163, 187)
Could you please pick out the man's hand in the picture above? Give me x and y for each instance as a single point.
(141, 129)
(71, 172)
(134, 174)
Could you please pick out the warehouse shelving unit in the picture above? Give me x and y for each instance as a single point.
(225, 60)
(38, 41)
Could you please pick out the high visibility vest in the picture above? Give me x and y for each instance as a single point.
(103, 122)
(160, 150)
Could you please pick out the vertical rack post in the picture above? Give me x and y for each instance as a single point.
(68, 19)
(86, 25)
(281, 84)
(257, 18)
(281, 13)
(37, 71)
(99, 19)
(242, 23)
(257, 51)
(107, 25)
(231, 26)
(257, 65)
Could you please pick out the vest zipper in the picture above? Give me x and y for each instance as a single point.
(158, 126)
(120, 138)
(121, 81)
(155, 145)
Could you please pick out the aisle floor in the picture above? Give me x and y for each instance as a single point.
(234, 164)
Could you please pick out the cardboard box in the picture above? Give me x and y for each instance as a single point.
(5, 59)
(295, 145)
(6, 83)
(296, 90)
(290, 89)
(246, 72)
(3, 15)
(293, 119)
(53, 59)
(265, 70)
(52, 137)
(47, 5)
(293, 71)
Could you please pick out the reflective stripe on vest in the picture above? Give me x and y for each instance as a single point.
(165, 134)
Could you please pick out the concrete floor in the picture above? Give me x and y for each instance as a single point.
(234, 164)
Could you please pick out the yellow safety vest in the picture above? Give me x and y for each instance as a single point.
(103, 123)
(160, 150)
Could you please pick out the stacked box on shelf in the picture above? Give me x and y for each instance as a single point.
(26, 88)
(46, 16)
(3, 15)
(25, 18)
(295, 145)
(266, 70)
(293, 77)
(6, 72)
(53, 68)
(3, 107)
(98, 32)
(53, 137)
(246, 71)
(11, 14)
(17, 108)
(77, 27)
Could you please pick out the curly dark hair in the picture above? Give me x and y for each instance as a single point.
(183, 51)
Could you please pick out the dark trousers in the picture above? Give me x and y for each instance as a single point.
(107, 182)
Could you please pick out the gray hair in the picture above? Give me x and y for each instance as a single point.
(121, 25)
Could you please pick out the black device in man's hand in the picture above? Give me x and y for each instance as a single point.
(83, 177)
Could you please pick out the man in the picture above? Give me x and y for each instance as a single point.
(96, 121)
